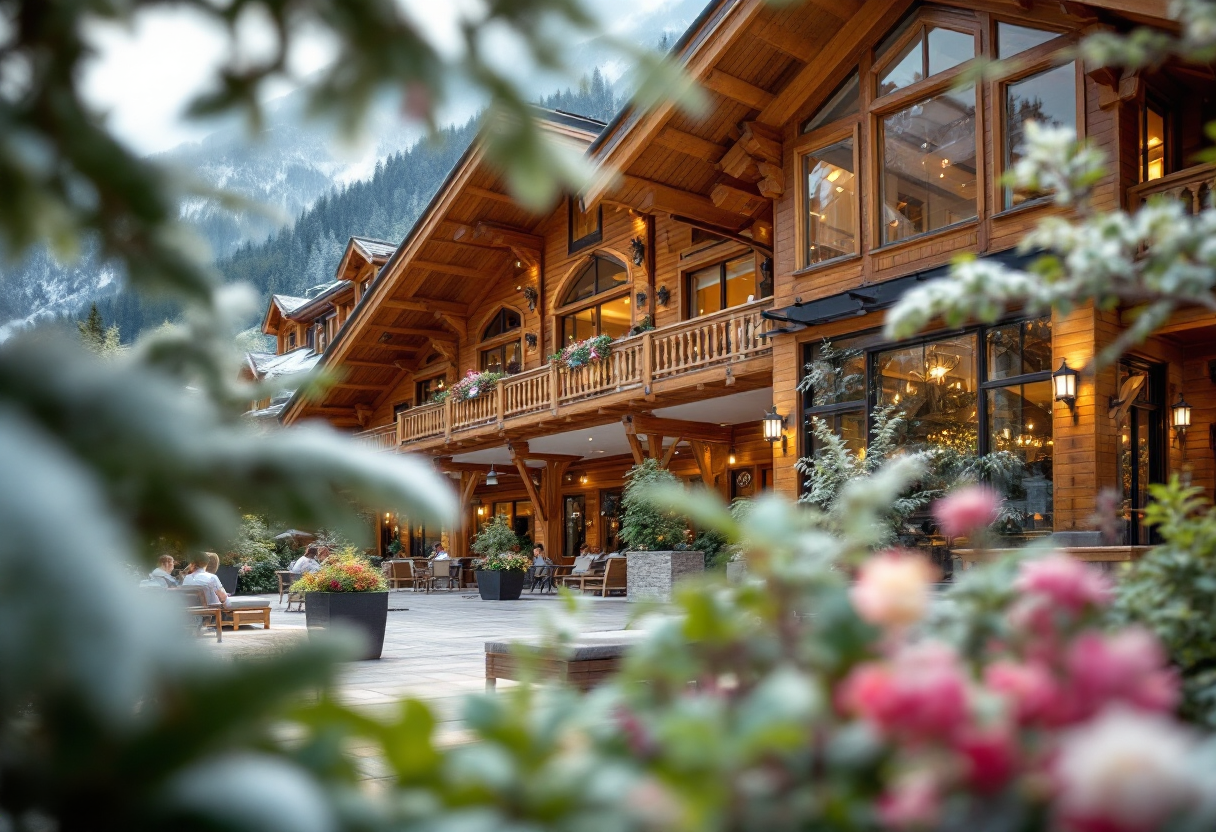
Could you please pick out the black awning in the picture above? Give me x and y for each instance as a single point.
(871, 298)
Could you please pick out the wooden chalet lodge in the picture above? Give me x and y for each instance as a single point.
(838, 164)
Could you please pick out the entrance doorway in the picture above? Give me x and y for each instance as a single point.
(1141, 444)
(575, 508)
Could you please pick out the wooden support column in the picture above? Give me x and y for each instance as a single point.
(551, 496)
(468, 525)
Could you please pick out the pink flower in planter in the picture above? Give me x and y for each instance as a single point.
(967, 510)
(1066, 582)
(1128, 666)
(921, 694)
(335, 585)
(913, 802)
(892, 589)
(1031, 689)
(990, 754)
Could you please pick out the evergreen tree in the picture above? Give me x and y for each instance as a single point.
(95, 335)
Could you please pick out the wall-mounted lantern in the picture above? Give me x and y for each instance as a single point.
(663, 296)
(530, 339)
(766, 277)
(531, 296)
(1180, 416)
(1064, 384)
(637, 249)
(641, 296)
(774, 429)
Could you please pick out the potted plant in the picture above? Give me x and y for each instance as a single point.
(582, 353)
(347, 590)
(501, 572)
(658, 554)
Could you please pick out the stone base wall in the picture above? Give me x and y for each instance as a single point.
(651, 575)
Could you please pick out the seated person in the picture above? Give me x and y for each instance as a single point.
(197, 575)
(164, 571)
(538, 556)
(310, 561)
(440, 553)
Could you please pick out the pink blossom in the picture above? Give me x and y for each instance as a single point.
(1128, 666)
(921, 694)
(1030, 688)
(991, 756)
(1066, 582)
(967, 510)
(892, 589)
(913, 802)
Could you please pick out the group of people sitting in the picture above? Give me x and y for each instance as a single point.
(314, 555)
(200, 571)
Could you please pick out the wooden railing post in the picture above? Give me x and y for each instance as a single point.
(501, 392)
(554, 387)
(400, 429)
(447, 418)
(647, 361)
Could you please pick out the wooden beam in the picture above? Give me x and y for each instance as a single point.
(426, 305)
(414, 350)
(763, 248)
(538, 506)
(655, 442)
(730, 194)
(657, 197)
(346, 385)
(671, 450)
(699, 431)
(690, 145)
(447, 268)
(409, 330)
(737, 89)
(635, 447)
(486, 193)
(458, 324)
(815, 79)
(384, 365)
(700, 452)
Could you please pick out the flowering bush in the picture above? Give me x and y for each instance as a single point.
(470, 387)
(582, 353)
(495, 538)
(505, 562)
(342, 572)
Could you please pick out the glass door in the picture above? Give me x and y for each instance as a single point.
(576, 524)
(1141, 444)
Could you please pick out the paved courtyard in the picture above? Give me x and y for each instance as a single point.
(433, 648)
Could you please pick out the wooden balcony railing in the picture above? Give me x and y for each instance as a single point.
(1192, 187)
(383, 438)
(635, 363)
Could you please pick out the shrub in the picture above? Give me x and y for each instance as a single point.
(646, 527)
(1172, 592)
(496, 538)
(342, 573)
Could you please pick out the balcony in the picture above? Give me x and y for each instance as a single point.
(659, 359)
(1192, 187)
(383, 438)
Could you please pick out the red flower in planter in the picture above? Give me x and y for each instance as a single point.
(335, 585)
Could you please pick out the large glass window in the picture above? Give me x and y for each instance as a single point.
(1012, 39)
(932, 51)
(612, 317)
(505, 358)
(1142, 444)
(1153, 142)
(723, 285)
(1049, 98)
(427, 388)
(979, 402)
(505, 352)
(831, 202)
(520, 518)
(929, 165)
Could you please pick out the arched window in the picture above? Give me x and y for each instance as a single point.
(501, 350)
(597, 302)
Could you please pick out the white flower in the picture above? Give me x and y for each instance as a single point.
(1128, 768)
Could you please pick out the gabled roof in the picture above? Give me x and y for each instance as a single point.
(374, 249)
(465, 239)
(288, 303)
(268, 366)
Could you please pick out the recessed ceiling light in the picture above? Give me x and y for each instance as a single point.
(590, 439)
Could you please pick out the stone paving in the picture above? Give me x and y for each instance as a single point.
(433, 649)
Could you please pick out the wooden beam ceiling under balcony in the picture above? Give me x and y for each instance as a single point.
(682, 428)
(426, 305)
(690, 145)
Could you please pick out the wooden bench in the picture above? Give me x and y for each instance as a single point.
(247, 611)
(590, 659)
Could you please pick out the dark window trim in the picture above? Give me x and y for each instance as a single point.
(690, 309)
(597, 236)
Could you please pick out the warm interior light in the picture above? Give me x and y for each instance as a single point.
(774, 425)
(834, 175)
(731, 459)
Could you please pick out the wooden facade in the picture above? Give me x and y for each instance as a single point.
(715, 236)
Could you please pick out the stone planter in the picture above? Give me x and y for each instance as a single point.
(227, 576)
(500, 585)
(651, 575)
(366, 612)
(736, 572)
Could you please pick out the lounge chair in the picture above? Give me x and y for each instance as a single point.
(581, 572)
(195, 601)
(613, 580)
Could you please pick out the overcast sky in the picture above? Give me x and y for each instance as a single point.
(144, 76)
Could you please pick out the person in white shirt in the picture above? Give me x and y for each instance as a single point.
(440, 553)
(310, 561)
(197, 575)
(164, 571)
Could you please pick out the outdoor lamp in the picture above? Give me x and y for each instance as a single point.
(774, 429)
(1064, 384)
(1181, 415)
(492, 477)
(731, 459)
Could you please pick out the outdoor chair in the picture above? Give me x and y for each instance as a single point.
(286, 579)
(580, 573)
(400, 573)
(296, 598)
(441, 570)
(195, 601)
(613, 579)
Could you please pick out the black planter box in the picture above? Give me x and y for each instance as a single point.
(227, 576)
(366, 612)
(496, 585)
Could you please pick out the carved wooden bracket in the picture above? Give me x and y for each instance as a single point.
(756, 157)
(1114, 88)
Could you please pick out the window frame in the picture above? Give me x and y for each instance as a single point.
(686, 282)
(807, 145)
(419, 400)
(562, 312)
(572, 245)
(1031, 62)
(961, 22)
